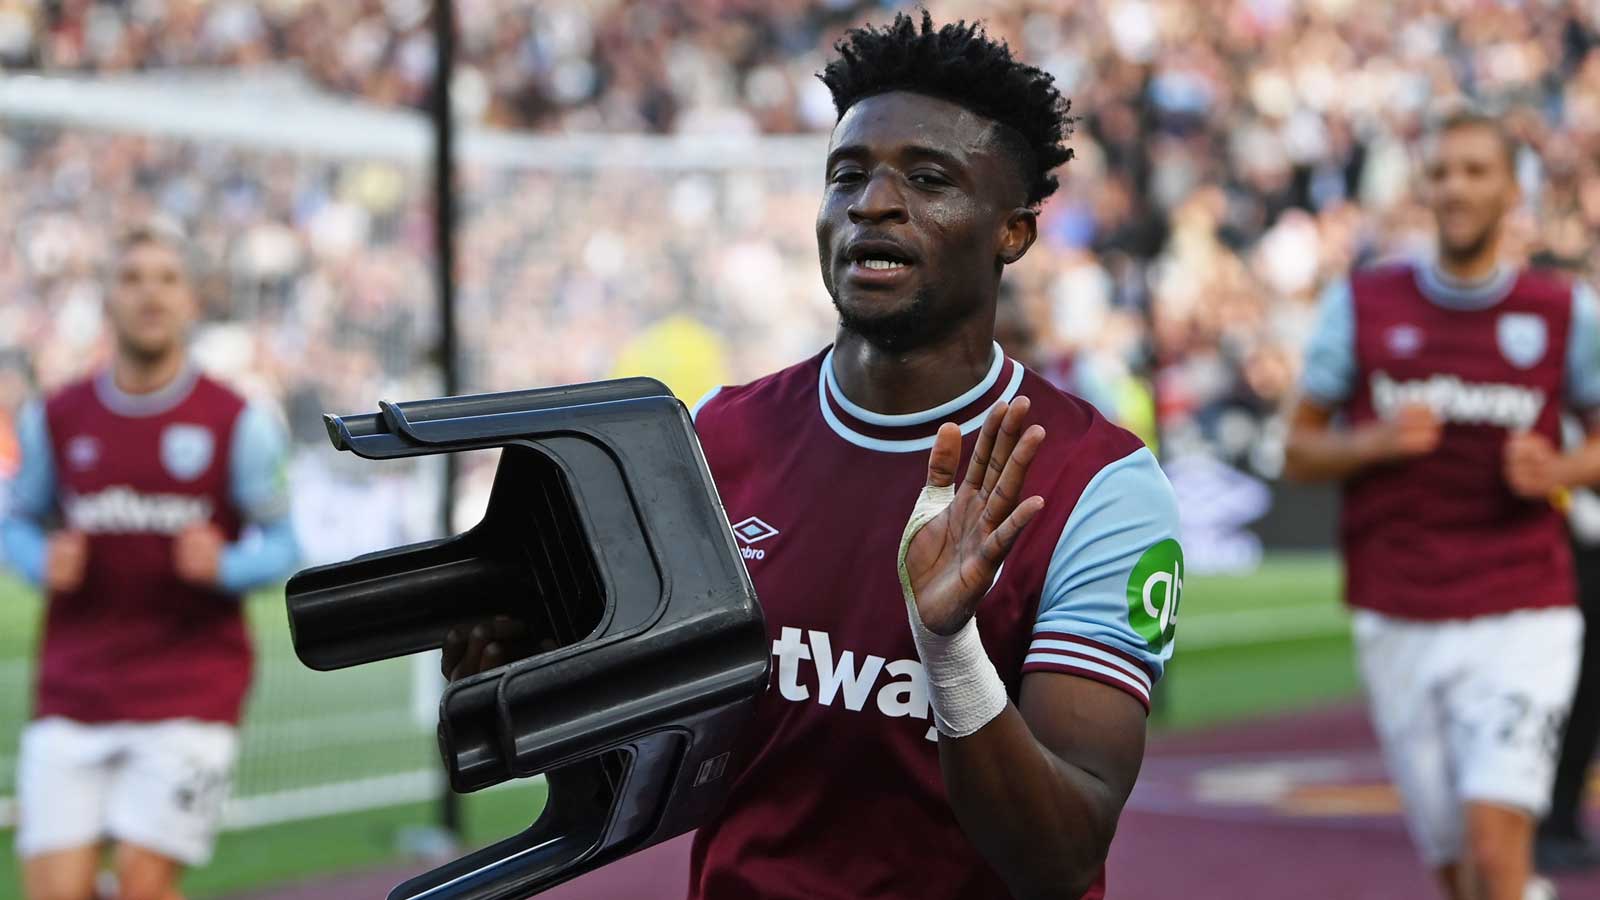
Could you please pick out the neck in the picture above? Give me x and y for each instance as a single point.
(899, 382)
(144, 375)
(1476, 267)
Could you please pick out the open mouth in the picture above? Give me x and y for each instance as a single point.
(877, 262)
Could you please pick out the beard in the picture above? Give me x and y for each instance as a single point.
(901, 330)
(145, 351)
(1468, 249)
(148, 353)
(1475, 244)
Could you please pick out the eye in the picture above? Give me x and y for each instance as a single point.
(845, 176)
(928, 178)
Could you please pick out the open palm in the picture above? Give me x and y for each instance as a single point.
(952, 561)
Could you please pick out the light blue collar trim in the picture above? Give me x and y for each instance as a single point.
(901, 420)
(911, 444)
(1451, 294)
(159, 401)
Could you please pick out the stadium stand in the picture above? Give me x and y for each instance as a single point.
(1262, 146)
(1228, 163)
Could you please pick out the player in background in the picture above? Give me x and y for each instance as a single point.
(938, 725)
(1433, 391)
(135, 487)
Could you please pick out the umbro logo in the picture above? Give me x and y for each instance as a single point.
(1404, 340)
(83, 452)
(753, 531)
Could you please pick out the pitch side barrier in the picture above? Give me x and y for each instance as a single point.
(641, 646)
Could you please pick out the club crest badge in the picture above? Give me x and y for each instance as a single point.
(186, 451)
(1522, 338)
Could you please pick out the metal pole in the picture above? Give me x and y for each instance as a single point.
(444, 236)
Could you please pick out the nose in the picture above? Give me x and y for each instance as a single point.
(880, 200)
(1453, 184)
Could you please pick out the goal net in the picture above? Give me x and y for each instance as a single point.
(690, 259)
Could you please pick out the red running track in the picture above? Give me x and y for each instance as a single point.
(1293, 806)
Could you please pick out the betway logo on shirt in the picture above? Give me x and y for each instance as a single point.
(1463, 402)
(840, 679)
(122, 509)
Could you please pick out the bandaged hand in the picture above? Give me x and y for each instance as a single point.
(952, 549)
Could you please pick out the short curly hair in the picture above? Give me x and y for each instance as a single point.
(958, 62)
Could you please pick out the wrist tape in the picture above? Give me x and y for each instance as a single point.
(964, 689)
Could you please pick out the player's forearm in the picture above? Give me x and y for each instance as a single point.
(25, 546)
(250, 564)
(1331, 454)
(1044, 824)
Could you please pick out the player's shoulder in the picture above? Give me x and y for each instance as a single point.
(1088, 442)
(1382, 277)
(753, 403)
(72, 398)
(1546, 285)
(211, 390)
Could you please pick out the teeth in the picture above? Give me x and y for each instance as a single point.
(882, 264)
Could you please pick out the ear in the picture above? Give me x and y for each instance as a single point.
(1020, 230)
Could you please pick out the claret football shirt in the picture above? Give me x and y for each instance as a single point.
(837, 791)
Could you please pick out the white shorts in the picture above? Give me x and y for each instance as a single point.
(159, 785)
(1469, 710)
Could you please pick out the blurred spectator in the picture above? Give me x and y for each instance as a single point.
(1231, 158)
(15, 388)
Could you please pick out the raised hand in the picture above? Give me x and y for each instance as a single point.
(953, 559)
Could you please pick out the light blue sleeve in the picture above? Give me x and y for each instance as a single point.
(32, 497)
(259, 488)
(1583, 350)
(1330, 357)
(1109, 607)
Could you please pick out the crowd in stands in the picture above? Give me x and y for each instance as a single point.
(1232, 158)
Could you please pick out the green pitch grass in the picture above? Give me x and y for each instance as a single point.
(1272, 641)
(1247, 646)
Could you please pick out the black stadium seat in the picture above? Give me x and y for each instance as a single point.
(604, 539)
